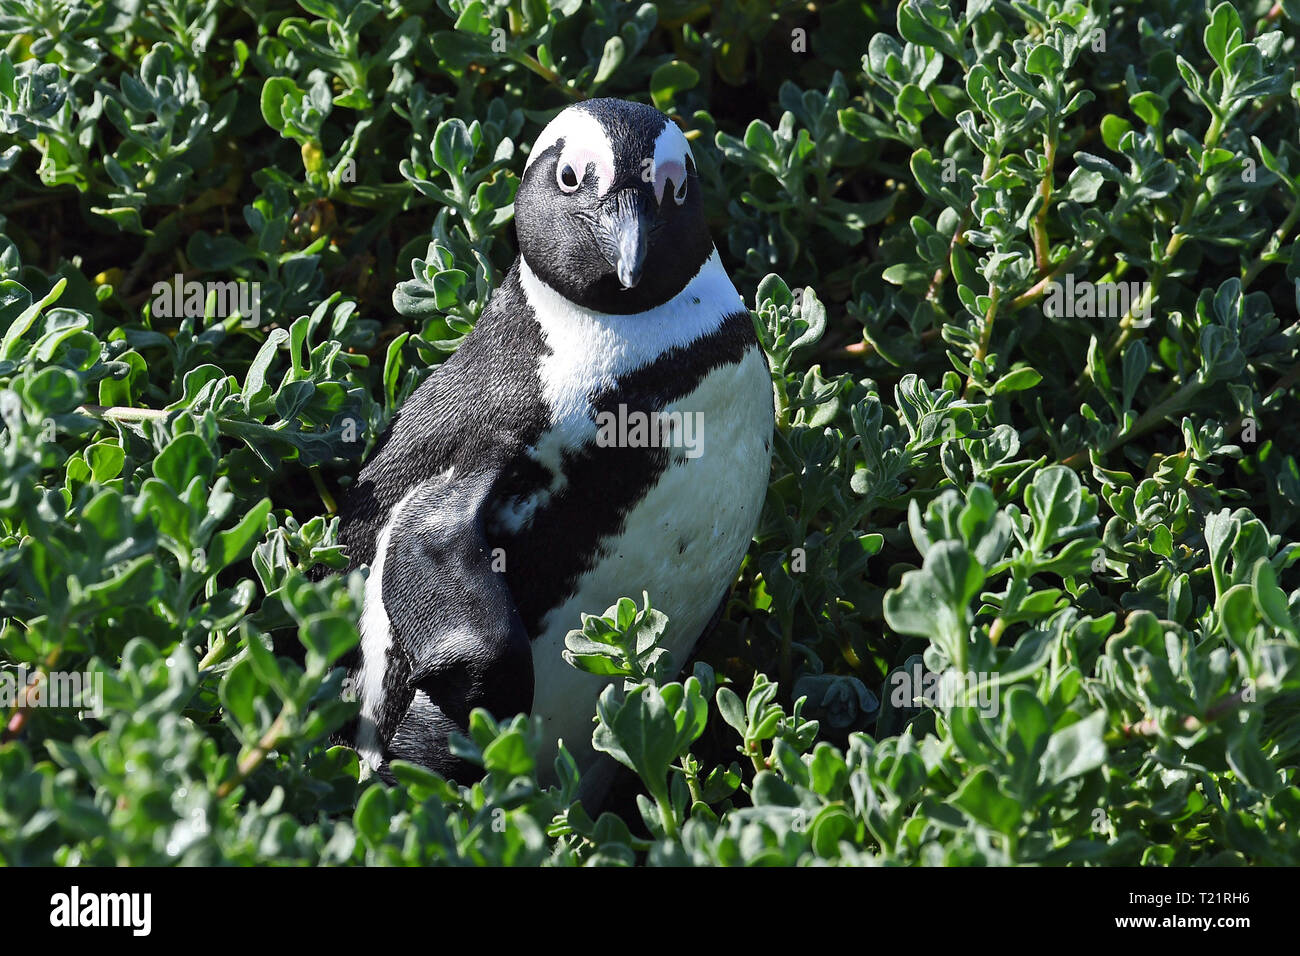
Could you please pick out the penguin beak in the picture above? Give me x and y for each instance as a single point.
(625, 235)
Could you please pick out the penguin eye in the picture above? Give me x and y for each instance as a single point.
(567, 178)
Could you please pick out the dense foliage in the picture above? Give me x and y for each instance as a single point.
(1079, 506)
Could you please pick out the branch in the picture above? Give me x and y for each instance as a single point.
(253, 759)
(1148, 728)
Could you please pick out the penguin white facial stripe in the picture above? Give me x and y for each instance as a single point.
(580, 157)
(672, 172)
(585, 141)
(672, 150)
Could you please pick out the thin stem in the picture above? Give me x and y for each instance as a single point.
(1160, 269)
(18, 717)
(1274, 244)
(986, 331)
(1042, 247)
(1120, 267)
(668, 817)
(1274, 12)
(986, 334)
(1148, 420)
(941, 273)
(995, 632)
(1149, 727)
(692, 781)
(865, 349)
(326, 498)
(253, 759)
(1039, 288)
(124, 413)
(550, 76)
(32, 201)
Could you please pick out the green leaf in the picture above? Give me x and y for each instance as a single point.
(1056, 503)
(1223, 33)
(1113, 129)
(239, 689)
(237, 543)
(1269, 598)
(1149, 107)
(638, 732)
(1017, 380)
(508, 755)
(732, 710)
(669, 80)
(934, 601)
(19, 325)
(912, 104)
(980, 798)
(1045, 61)
(453, 148)
(1076, 749)
(277, 93)
(187, 457)
(371, 817)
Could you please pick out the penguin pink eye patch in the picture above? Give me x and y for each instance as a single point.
(571, 169)
(667, 170)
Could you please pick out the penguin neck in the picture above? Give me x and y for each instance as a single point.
(624, 342)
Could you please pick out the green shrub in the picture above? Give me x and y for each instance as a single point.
(1080, 494)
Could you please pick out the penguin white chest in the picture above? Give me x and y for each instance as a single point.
(682, 543)
(683, 540)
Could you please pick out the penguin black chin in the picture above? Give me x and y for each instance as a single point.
(609, 294)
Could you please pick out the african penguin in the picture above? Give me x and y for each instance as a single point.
(605, 429)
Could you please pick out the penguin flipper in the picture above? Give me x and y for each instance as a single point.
(454, 622)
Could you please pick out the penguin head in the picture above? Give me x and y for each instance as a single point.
(609, 212)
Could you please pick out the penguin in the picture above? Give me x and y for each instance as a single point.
(604, 430)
